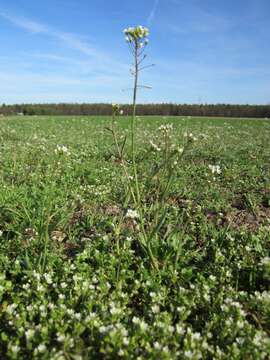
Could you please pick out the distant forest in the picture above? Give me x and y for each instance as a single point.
(222, 110)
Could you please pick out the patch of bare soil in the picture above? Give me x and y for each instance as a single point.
(238, 219)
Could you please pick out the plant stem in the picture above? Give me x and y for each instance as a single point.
(136, 75)
(120, 155)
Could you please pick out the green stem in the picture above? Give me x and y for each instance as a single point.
(136, 75)
(120, 155)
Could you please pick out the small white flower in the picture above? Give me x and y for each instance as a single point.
(189, 354)
(155, 308)
(132, 214)
(215, 169)
(196, 336)
(11, 308)
(48, 278)
(26, 286)
(62, 150)
(61, 337)
(40, 288)
(265, 261)
(180, 330)
(78, 316)
(15, 349)
(190, 136)
(42, 310)
(41, 348)
(165, 128)
(102, 329)
(115, 311)
(29, 334)
(143, 325)
(121, 352)
(135, 320)
(180, 150)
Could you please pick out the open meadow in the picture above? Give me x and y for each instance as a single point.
(83, 275)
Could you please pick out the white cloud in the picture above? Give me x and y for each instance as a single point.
(96, 72)
(24, 23)
(71, 40)
(199, 19)
(152, 14)
(75, 43)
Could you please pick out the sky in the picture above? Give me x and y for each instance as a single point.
(204, 51)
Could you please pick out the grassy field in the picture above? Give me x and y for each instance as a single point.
(75, 282)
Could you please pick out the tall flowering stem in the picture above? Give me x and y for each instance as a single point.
(137, 39)
(116, 111)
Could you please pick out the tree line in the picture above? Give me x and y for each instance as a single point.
(219, 110)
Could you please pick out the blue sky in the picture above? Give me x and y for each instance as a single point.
(206, 51)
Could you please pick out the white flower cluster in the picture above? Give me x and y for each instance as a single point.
(30, 233)
(140, 322)
(166, 128)
(190, 136)
(180, 150)
(132, 214)
(61, 149)
(137, 35)
(216, 169)
(116, 109)
(265, 261)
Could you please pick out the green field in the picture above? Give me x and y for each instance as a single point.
(75, 282)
